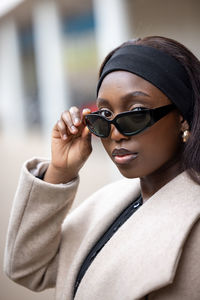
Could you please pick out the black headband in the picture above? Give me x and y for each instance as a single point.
(157, 67)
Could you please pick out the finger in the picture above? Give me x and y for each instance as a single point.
(62, 129)
(75, 115)
(66, 117)
(86, 111)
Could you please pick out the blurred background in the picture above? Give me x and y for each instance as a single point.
(50, 53)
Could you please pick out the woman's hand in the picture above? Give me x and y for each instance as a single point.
(71, 146)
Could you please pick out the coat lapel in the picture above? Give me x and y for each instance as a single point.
(91, 220)
(143, 254)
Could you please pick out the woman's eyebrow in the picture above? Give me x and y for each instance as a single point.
(135, 94)
(101, 101)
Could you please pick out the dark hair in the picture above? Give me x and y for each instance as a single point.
(191, 153)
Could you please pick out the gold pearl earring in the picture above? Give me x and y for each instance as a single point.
(185, 135)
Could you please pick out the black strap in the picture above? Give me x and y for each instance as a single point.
(106, 236)
(41, 177)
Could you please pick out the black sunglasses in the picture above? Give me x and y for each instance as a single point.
(127, 123)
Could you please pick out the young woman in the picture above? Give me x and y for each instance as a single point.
(133, 239)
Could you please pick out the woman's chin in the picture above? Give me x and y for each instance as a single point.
(128, 173)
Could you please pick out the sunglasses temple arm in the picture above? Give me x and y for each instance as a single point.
(160, 112)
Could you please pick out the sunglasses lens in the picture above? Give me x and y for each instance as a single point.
(134, 122)
(97, 125)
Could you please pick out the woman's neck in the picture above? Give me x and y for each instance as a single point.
(150, 184)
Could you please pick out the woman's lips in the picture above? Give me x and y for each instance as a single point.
(123, 156)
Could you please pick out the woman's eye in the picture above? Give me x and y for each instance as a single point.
(139, 108)
(105, 113)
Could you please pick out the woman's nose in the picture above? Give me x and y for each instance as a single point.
(116, 135)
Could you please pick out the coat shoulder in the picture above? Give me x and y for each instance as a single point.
(187, 276)
(186, 283)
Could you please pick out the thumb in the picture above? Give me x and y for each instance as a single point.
(86, 133)
(86, 145)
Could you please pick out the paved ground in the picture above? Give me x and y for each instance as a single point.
(13, 152)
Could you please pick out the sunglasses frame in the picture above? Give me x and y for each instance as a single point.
(155, 115)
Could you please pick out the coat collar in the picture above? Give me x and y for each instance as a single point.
(143, 254)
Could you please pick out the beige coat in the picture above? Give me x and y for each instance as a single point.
(155, 252)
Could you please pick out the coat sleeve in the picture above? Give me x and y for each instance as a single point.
(34, 232)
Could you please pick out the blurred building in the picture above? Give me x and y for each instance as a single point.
(49, 60)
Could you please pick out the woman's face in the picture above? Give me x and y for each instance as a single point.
(158, 147)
